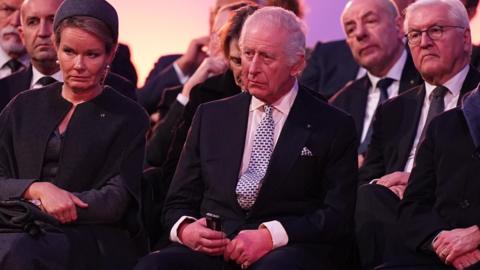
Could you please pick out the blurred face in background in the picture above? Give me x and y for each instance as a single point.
(9, 22)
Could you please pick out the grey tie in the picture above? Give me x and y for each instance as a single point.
(437, 106)
(249, 183)
(382, 85)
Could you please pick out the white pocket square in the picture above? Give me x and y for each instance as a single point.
(306, 152)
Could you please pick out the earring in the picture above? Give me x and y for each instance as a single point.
(57, 62)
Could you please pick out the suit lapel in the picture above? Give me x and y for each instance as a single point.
(412, 110)
(236, 134)
(410, 76)
(359, 105)
(295, 132)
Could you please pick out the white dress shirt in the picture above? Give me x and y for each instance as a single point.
(281, 109)
(374, 93)
(454, 86)
(4, 58)
(37, 76)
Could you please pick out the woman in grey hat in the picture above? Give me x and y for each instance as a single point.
(75, 150)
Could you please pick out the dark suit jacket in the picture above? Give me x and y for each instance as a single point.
(443, 189)
(162, 76)
(329, 68)
(312, 196)
(172, 131)
(353, 98)
(20, 81)
(394, 128)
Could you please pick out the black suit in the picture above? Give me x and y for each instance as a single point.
(442, 193)
(330, 67)
(20, 81)
(394, 129)
(353, 98)
(311, 196)
(162, 76)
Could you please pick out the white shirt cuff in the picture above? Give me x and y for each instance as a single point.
(374, 181)
(182, 99)
(174, 230)
(277, 232)
(181, 76)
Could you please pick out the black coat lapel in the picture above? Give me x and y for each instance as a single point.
(236, 134)
(359, 105)
(411, 113)
(410, 76)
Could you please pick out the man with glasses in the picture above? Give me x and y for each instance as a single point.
(12, 51)
(439, 38)
(375, 37)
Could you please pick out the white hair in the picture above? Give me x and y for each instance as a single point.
(456, 11)
(283, 19)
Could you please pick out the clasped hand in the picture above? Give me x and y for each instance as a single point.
(245, 249)
(458, 247)
(59, 203)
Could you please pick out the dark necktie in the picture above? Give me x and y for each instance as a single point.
(13, 65)
(437, 106)
(46, 80)
(382, 85)
(249, 183)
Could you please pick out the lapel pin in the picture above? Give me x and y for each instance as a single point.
(309, 126)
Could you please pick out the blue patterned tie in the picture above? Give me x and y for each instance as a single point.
(250, 182)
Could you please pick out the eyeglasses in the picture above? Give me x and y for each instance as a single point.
(434, 32)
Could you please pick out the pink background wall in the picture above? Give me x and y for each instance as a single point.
(156, 27)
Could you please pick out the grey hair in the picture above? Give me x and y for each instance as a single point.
(456, 11)
(283, 19)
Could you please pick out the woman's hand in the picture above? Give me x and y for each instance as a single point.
(57, 202)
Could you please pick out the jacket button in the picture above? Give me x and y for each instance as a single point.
(465, 204)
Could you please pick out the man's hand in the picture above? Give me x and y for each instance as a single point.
(466, 260)
(399, 190)
(57, 202)
(194, 55)
(198, 237)
(211, 66)
(360, 160)
(450, 245)
(394, 179)
(249, 246)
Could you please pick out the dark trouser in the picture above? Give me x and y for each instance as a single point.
(179, 257)
(377, 232)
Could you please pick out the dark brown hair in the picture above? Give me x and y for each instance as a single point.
(233, 28)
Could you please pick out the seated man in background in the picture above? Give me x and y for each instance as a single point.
(373, 30)
(441, 48)
(276, 163)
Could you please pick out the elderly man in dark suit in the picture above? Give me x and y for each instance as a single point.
(44, 70)
(441, 48)
(373, 30)
(277, 164)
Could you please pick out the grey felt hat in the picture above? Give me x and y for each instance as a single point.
(99, 9)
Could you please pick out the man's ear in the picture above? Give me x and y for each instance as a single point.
(298, 66)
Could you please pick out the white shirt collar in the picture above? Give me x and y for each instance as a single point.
(394, 73)
(283, 104)
(37, 75)
(454, 84)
